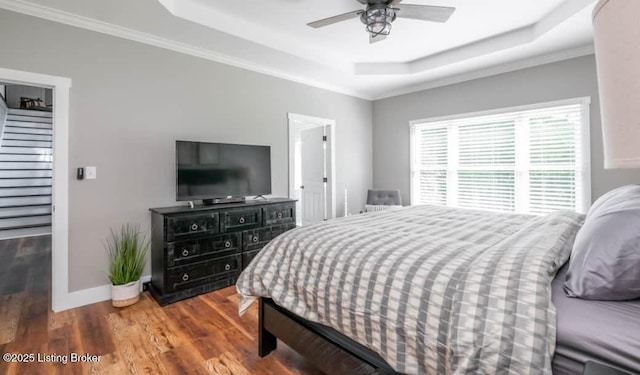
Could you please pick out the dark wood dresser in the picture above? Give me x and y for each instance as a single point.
(197, 250)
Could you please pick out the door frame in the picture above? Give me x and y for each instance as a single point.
(60, 178)
(296, 122)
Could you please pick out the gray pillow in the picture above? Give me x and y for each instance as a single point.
(605, 259)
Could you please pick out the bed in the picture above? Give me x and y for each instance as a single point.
(419, 290)
(606, 332)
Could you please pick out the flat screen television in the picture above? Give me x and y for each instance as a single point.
(219, 170)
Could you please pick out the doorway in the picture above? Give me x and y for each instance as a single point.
(58, 98)
(312, 168)
(26, 159)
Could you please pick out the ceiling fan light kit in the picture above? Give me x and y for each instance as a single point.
(378, 16)
(378, 19)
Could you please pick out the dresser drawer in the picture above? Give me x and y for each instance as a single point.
(256, 239)
(181, 226)
(234, 220)
(184, 252)
(276, 231)
(280, 214)
(183, 277)
(248, 256)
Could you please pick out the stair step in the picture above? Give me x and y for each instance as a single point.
(28, 124)
(13, 212)
(19, 118)
(22, 143)
(27, 137)
(25, 174)
(23, 166)
(21, 222)
(26, 150)
(20, 182)
(6, 192)
(16, 130)
(26, 112)
(24, 201)
(22, 158)
(11, 174)
(24, 232)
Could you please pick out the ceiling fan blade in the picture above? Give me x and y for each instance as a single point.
(335, 19)
(395, 2)
(376, 39)
(363, 1)
(425, 12)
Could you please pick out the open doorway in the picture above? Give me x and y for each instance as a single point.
(49, 109)
(26, 160)
(312, 167)
(26, 164)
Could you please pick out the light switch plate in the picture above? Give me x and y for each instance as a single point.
(90, 173)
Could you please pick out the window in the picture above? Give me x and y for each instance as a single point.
(526, 160)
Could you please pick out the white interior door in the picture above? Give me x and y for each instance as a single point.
(313, 172)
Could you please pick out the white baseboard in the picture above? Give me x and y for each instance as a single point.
(88, 296)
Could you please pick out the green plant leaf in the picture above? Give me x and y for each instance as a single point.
(127, 251)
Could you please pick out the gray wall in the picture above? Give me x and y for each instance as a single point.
(563, 80)
(130, 102)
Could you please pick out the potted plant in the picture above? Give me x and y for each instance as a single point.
(127, 250)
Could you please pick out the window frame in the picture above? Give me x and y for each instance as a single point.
(584, 203)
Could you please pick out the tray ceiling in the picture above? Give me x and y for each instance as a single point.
(271, 36)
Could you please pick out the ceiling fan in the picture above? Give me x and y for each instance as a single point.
(379, 14)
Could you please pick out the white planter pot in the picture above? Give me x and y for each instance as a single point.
(125, 295)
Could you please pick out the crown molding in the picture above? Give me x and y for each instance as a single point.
(492, 71)
(92, 24)
(56, 15)
(495, 43)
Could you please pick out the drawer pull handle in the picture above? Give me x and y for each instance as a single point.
(194, 227)
(185, 277)
(227, 244)
(227, 267)
(241, 220)
(255, 238)
(279, 215)
(185, 252)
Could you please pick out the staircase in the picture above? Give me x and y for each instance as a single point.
(25, 174)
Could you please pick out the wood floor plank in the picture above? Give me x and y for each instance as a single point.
(229, 311)
(201, 335)
(64, 341)
(95, 330)
(226, 364)
(108, 364)
(10, 308)
(61, 319)
(183, 360)
(136, 356)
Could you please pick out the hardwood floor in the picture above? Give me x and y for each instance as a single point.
(201, 335)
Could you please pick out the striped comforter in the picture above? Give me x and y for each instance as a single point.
(433, 290)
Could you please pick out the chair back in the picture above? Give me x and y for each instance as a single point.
(384, 197)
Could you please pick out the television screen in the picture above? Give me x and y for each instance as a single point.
(216, 170)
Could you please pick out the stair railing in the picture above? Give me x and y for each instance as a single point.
(4, 112)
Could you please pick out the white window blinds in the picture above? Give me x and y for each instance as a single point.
(530, 160)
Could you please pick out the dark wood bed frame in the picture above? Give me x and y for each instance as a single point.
(331, 351)
(327, 349)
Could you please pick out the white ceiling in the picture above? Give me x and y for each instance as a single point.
(270, 36)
